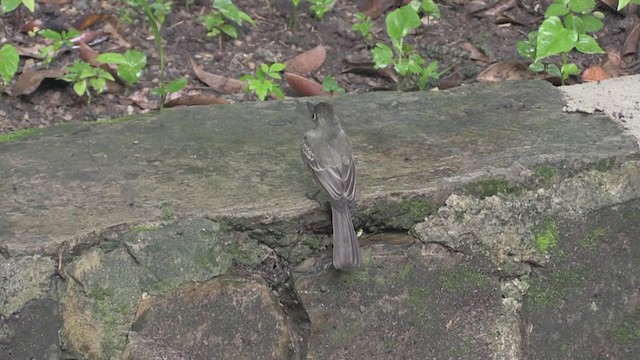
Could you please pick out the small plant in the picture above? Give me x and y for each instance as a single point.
(9, 60)
(261, 83)
(7, 6)
(404, 59)
(557, 38)
(321, 7)
(59, 39)
(84, 76)
(224, 19)
(363, 26)
(330, 85)
(130, 64)
(623, 3)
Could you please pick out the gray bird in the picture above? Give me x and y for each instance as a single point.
(327, 152)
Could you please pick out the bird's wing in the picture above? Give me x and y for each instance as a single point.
(338, 181)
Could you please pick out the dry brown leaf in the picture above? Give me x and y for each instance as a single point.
(308, 61)
(196, 99)
(375, 8)
(89, 20)
(595, 73)
(31, 51)
(508, 70)
(30, 80)
(495, 9)
(475, 54)
(217, 82)
(630, 46)
(143, 99)
(304, 86)
(114, 28)
(367, 69)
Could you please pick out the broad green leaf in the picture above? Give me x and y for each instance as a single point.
(401, 22)
(276, 67)
(264, 68)
(537, 67)
(382, 56)
(431, 8)
(98, 84)
(572, 22)
(176, 85)
(29, 4)
(80, 87)
(582, 6)
(588, 45)
(229, 30)
(591, 23)
(262, 90)
(556, 10)
(50, 34)
(554, 39)
(568, 70)
(136, 59)
(275, 75)
(9, 60)
(278, 92)
(526, 49)
(553, 70)
(111, 58)
(10, 5)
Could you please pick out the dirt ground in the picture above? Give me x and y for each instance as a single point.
(465, 26)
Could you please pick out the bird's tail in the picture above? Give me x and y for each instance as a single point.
(346, 251)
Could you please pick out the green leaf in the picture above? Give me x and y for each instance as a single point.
(588, 45)
(582, 6)
(9, 59)
(591, 23)
(264, 68)
(262, 90)
(574, 23)
(382, 56)
(80, 87)
(554, 39)
(330, 85)
(401, 22)
(276, 67)
(526, 49)
(50, 34)
(229, 30)
(556, 9)
(431, 8)
(176, 85)
(622, 4)
(29, 4)
(98, 84)
(10, 5)
(111, 58)
(278, 92)
(537, 67)
(568, 70)
(553, 70)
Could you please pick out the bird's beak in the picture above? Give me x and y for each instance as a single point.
(311, 107)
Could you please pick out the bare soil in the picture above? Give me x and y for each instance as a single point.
(463, 25)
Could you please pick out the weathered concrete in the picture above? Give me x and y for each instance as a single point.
(187, 234)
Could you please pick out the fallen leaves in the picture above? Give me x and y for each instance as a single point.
(308, 61)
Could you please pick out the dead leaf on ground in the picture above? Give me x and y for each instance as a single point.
(304, 86)
(143, 99)
(114, 28)
(611, 67)
(495, 9)
(475, 54)
(308, 61)
(89, 20)
(196, 99)
(507, 18)
(375, 8)
(217, 82)
(630, 46)
(367, 69)
(30, 80)
(31, 51)
(508, 70)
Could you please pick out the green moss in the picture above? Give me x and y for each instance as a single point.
(417, 298)
(591, 240)
(19, 134)
(629, 330)
(461, 278)
(405, 271)
(167, 214)
(400, 215)
(549, 291)
(486, 188)
(143, 228)
(99, 293)
(545, 172)
(547, 238)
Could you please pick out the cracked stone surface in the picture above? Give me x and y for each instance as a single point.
(494, 226)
